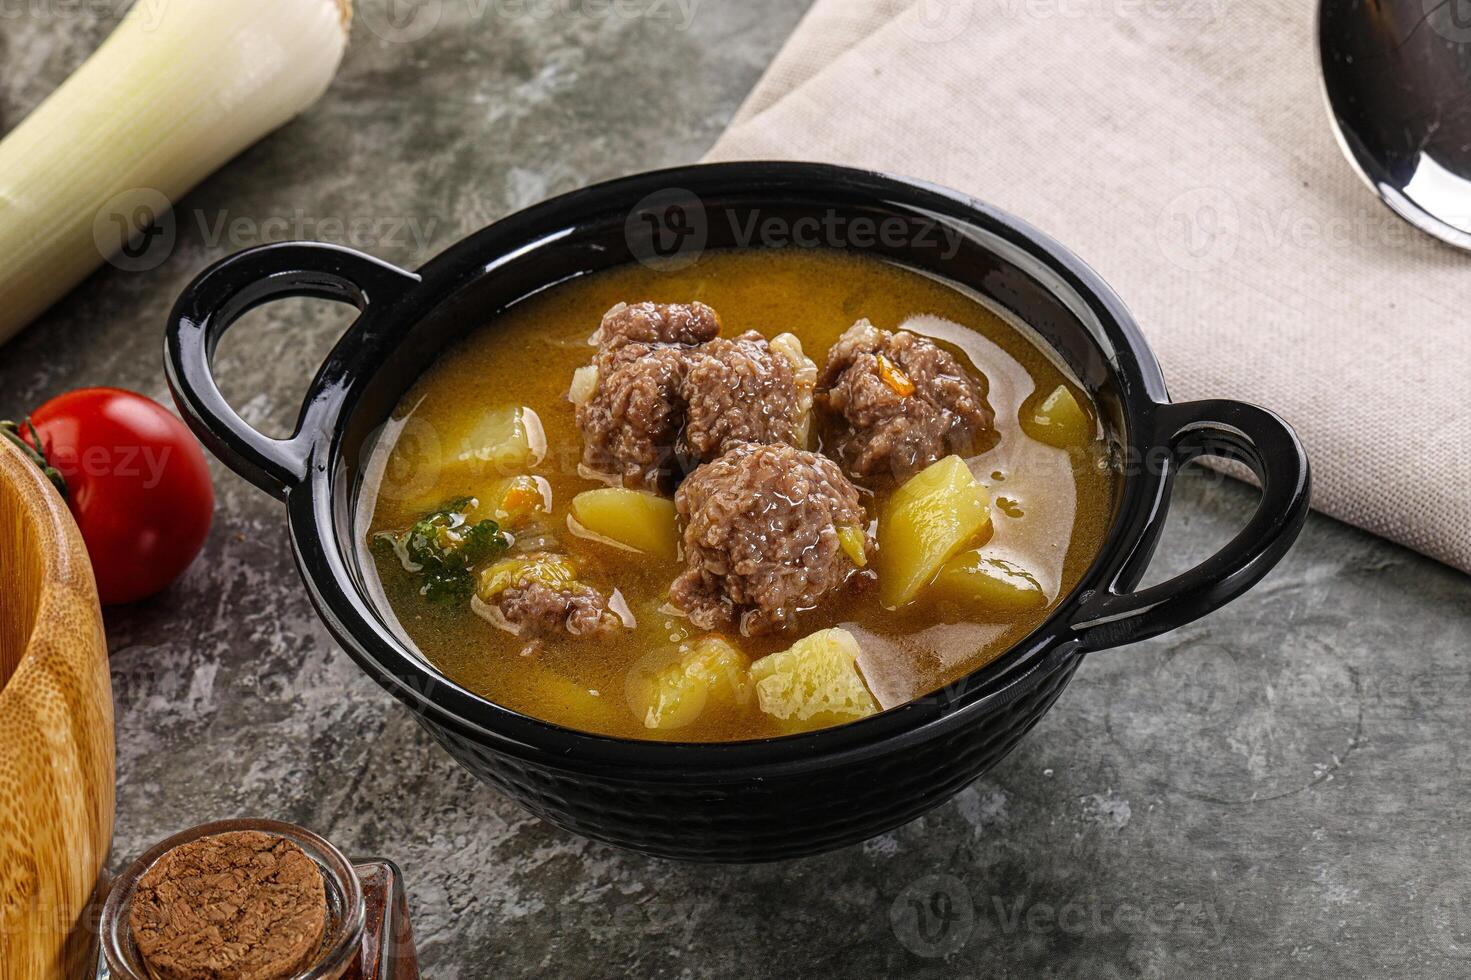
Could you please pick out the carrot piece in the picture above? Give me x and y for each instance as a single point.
(895, 378)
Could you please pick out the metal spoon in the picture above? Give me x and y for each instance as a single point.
(1397, 74)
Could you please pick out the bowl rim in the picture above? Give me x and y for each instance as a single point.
(1043, 650)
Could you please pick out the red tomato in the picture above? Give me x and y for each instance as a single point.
(136, 481)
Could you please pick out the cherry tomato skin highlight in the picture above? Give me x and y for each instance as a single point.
(137, 484)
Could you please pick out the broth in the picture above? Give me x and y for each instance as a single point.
(1051, 503)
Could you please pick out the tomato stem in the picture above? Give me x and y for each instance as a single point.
(34, 451)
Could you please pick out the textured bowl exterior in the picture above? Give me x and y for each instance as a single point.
(56, 734)
(762, 818)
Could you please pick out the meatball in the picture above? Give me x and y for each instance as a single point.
(762, 537)
(535, 610)
(906, 403)
(657, 323)
(630, 406)
(738, 391)
(664, 394)
(633, 413)
(540, 594)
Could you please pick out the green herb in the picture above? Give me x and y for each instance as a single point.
(444, 547)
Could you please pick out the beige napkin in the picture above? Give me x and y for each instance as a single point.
(1183, 149)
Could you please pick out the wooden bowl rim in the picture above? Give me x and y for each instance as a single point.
(65, 566)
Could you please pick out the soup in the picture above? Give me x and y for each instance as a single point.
(682, 529)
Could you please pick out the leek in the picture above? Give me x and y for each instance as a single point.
(178, 89)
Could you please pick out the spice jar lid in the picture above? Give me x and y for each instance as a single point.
(345, 919)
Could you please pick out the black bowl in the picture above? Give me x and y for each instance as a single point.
(755, 800)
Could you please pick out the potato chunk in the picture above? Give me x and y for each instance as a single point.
(708, 672)
(814, 684)
(927, 522)
(641, 521)
(470, 456)
(1060, 420)
(503, 441)
(992, 584)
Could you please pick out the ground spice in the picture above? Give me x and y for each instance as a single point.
(243, 905)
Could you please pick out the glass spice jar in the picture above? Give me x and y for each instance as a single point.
(368, 935)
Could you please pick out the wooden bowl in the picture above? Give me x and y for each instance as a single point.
(56, 736)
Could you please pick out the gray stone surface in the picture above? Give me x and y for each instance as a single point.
(1278, 790)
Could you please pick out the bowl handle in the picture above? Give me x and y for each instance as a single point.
(228, 290)
(1114, 615)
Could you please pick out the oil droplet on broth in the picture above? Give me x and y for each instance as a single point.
(1011, 508)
